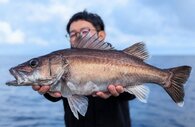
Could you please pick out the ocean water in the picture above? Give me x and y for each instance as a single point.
(23, 107)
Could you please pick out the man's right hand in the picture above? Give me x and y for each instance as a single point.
(45, 89)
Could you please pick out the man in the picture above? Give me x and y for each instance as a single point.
(105, 109)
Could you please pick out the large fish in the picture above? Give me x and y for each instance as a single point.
(91, 65)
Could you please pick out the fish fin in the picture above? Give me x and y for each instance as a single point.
(82, 89)
(72, 86)
(174, 85)
(90, 87)
(72, 107)
(65, 90)
(78, 104)
(137, 50)
(55, 87)
(140, 91)
(91, 42)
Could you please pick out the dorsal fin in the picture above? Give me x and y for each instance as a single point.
(137, 50)
(91, 42)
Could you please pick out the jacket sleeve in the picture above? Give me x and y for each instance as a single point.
(53, 99)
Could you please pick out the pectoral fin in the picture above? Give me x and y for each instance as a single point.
(78, 104)
(72, 86)
(56, 87)
(65, 90)
(140, 91)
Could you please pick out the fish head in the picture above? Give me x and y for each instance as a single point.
(44, 70)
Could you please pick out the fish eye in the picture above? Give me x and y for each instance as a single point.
(33, 62)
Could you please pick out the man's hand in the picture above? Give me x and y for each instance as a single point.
(113, 91)
(45, 89)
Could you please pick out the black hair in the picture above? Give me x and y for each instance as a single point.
(93, 18)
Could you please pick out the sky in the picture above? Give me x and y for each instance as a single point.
(37, 27)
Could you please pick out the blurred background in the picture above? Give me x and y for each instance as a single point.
(32, 28)
(37, 27)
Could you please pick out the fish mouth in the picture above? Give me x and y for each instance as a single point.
(18, 78)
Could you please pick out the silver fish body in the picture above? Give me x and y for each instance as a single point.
(77, 72)
(109, 67)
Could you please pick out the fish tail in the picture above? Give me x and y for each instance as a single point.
(174, 85)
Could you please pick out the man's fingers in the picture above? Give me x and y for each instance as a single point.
(112, 90)
(120, 89)
(35, 87)
(55, 94)
(103, 95)
(44, 89)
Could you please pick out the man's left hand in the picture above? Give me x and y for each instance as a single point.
(113, 90)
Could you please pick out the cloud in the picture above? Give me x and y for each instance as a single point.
(63, 10)
(4, 1)
(153, 24)
(52, 10)
(10, 35)
(38, 41)
(183, 10)
(46, 12)
(167, 24)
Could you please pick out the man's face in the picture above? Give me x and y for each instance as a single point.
(81, 28)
